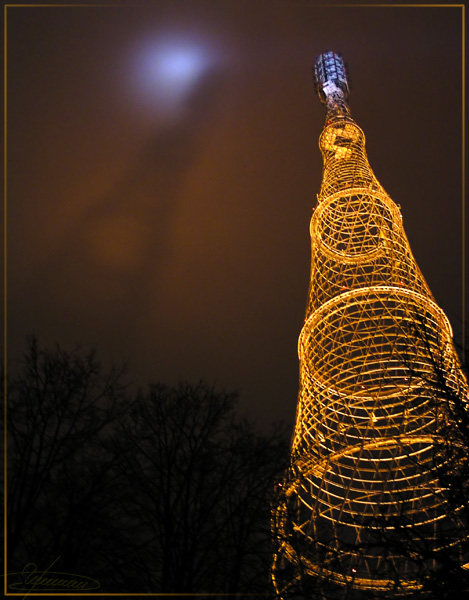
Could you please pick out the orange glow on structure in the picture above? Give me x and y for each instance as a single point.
(373, 351)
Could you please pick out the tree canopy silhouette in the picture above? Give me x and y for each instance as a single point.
(165, 490)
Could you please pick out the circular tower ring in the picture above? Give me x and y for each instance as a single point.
(363, 342)
(349, 225)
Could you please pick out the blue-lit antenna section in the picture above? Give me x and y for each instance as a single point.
(331, 84)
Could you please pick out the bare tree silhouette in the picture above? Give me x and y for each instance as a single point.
(165, 492)
(199, 486)
(61, 407)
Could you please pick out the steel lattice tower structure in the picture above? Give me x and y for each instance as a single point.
(373, 352)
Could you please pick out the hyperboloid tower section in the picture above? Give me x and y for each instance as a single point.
(378, 377)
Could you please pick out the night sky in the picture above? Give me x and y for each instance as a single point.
(163, 162)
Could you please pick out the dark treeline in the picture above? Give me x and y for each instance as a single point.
(167, 490)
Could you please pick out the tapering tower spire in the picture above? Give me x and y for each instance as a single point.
(376, 359)
(331, 84)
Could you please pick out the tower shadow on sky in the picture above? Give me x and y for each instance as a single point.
(107, 272)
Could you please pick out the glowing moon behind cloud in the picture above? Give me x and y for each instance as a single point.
(179, 66)
(165, 69)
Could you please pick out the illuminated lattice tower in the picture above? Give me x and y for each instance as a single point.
(375, 352)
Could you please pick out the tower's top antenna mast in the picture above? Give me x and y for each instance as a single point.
(330, 82)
